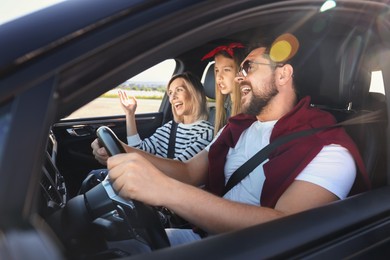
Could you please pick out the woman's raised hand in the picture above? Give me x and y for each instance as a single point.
(129, 104)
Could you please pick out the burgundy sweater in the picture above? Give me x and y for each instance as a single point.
(288, 160)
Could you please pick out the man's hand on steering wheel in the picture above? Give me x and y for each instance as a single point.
(134, 177)
(99, 152)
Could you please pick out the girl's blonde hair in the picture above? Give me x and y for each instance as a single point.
(197, 94)
(220, 99)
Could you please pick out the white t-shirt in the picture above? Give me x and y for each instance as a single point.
(333, 168)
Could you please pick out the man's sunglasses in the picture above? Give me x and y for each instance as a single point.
(248, 67)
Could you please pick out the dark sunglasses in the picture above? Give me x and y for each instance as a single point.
(248, 67)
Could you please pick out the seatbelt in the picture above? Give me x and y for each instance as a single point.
(172, 139)
(263, 154)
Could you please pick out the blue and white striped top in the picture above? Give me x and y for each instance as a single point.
(190, 140)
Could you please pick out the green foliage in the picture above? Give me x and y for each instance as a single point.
(106, 95)
(138, 87)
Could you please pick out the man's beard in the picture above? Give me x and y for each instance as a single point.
(257, 103)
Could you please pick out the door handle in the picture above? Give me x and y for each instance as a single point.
(79, 132)
(85, 130)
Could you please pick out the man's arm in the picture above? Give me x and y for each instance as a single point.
(193, 171)
(217, 215)
(135, 178)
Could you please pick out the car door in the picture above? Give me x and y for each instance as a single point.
(75, 133)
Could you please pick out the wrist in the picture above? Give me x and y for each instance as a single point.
(174, 192)
(129, 114)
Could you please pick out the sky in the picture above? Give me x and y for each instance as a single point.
(12, 9)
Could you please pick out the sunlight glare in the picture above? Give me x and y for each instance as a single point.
(329, 4)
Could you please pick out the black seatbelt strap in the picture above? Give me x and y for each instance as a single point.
(263, 154)
(172, 139)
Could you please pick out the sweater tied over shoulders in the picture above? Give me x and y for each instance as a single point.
(288, 160)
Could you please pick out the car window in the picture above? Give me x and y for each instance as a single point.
(147, 87)
(5, 120)
(210, 102)
(377, 85)
(205, 71)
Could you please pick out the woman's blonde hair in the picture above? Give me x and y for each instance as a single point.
(197, 94)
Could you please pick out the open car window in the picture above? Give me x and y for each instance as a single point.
(148, 87)
(377, 85)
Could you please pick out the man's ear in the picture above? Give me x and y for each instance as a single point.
(284, 74)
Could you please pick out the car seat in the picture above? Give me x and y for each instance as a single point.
(209, 86)
(338, 81)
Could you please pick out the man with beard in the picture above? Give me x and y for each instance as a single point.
(300, 175)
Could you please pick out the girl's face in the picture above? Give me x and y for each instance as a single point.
(179, 97)
(225, 72)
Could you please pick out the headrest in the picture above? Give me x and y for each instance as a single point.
(331, 70)
(209, 82)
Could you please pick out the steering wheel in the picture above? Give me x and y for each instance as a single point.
(147, 215)
(83, 209)
(102, 199)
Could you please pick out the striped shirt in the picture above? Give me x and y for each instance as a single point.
(190, 140)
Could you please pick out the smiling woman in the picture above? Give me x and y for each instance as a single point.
(190, 131)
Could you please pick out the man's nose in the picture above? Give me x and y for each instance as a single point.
(239, 77)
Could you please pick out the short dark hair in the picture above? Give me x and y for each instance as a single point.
(267, 44)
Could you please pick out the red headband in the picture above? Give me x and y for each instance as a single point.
(228, 49)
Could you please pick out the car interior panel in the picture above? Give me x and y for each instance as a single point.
(75, 138)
